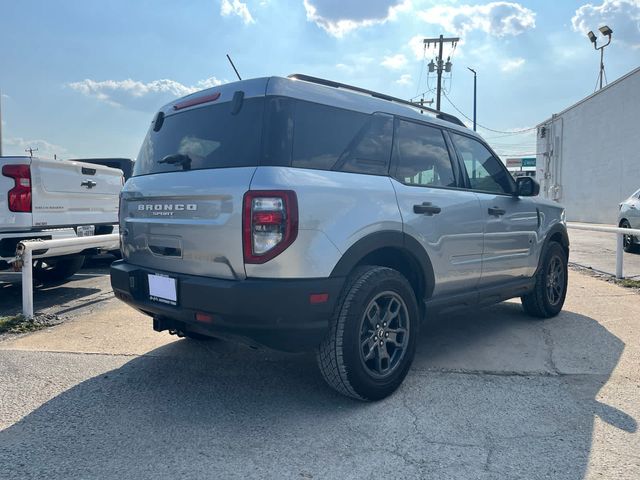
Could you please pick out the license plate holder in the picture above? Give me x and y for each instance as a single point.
(86, 230)
(163, 288)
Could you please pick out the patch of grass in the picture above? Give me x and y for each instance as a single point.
(628, 283)
(20, 324)
(623, 282)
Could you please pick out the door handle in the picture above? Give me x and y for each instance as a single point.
(88, 183)
(496, 211)
(426, 209)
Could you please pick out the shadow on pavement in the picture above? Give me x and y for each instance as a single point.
(211, 409)
(51, 295)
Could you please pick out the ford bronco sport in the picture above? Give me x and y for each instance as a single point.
(303, 214)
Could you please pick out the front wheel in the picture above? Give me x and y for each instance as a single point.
(547, 298)
(371, 344)
(628, 241)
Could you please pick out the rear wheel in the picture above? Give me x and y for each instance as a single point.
(56, 269)
(547, 298)
(371, 344)
(628, 241)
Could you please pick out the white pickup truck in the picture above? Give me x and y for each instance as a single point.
(52, 199)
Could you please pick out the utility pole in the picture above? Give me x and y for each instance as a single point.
(475, 77)
(441, 66)
(30, 151)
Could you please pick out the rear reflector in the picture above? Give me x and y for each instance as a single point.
(197, 101)
(204, 317)
(318, 298)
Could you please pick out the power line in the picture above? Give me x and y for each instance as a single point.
(424, 56)
(513, 132)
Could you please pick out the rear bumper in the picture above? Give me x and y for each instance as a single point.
(260, 312)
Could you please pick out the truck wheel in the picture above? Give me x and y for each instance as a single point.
(547, 298)
(372, 340)
(56, 269)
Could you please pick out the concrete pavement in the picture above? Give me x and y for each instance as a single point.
(597, 250)
(492, 394)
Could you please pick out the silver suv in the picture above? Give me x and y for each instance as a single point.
(303, 214)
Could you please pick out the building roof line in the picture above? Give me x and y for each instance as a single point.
(597, 92)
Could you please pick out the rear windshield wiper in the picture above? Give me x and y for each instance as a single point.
(178, 159)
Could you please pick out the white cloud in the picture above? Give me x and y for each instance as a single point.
(512, 64)
(405, 79)
(17, 146)
(495, 18)
(394, 62)
(623, 16)
(139, 95)
(338, 18)
(356, 64)
(238, 8)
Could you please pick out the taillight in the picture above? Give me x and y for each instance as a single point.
(269, 223)
(20, 195)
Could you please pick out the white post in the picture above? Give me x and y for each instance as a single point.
(27, 284)
(619, 253)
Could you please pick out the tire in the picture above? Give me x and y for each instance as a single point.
(628, 243)
(351, 357)
(57, 269)
(550, 291)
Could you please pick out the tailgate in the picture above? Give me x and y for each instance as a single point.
(74, 193)
(186, 222)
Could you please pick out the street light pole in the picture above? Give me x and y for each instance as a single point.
(475, 77)
(601, 65)
(605, 30)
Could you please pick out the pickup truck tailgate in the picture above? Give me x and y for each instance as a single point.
(74, 193)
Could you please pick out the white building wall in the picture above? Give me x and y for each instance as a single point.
(589, 158)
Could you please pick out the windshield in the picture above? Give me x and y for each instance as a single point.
(206, 137)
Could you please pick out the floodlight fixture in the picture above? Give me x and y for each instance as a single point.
(605, 30)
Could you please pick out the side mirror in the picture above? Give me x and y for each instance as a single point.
(527, 187)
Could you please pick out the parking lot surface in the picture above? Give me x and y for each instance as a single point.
(492, 395)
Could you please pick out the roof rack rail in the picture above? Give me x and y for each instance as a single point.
(330, 83)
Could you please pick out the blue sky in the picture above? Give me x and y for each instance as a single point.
(82, 78)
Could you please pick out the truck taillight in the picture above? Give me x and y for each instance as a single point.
(269, 223)
(20, 195)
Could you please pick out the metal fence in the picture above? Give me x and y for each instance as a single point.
(53, 248)
(619, 232)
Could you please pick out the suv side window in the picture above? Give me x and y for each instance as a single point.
(421, 156)
(329, 138)
(485, 172)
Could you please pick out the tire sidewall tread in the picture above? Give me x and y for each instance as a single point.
(536, 303)
(338, 355)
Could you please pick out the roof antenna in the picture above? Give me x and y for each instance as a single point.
(234, 67)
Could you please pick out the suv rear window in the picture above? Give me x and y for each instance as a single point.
(205, 137)
(310, 135)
